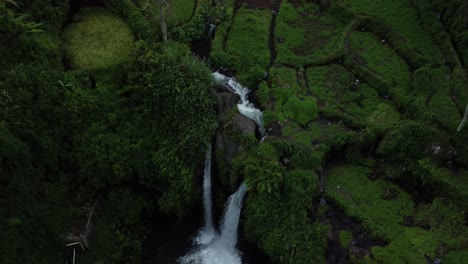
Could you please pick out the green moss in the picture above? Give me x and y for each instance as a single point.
(383, 118)
(346, 237)
(301, 110)
(97, 39)
(283, 85)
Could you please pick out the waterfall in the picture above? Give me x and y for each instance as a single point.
(208, 232)
(211, 31)
(245, 107)
(231, 217)
(221, 249)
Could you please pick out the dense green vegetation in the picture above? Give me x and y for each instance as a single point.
(125, 113)
(362, 103)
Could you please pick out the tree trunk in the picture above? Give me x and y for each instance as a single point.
(162, 20)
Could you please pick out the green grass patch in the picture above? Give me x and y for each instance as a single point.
(247, 50)
(97, 39)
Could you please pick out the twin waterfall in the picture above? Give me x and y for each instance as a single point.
(212, 247)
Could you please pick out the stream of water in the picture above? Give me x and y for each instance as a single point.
(245, 107)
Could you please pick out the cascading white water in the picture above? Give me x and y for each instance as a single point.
(211, 247)
(231, 217)
(245, 107)
(208, 233)
(211, 30)
(222, 249)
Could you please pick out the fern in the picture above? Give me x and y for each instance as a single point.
(12, 2)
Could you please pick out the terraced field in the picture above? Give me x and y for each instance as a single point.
(363, 94)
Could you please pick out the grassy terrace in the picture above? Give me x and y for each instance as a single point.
(403, 19)
(305, 36)
(437, 225)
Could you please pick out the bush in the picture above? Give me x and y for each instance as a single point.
(137, 21)
(261, 169)
(170, 107)
(403, 146)
(280, 225)
(25, 41)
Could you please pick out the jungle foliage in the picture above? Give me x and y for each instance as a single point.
(69, 136)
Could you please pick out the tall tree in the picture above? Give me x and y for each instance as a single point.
(162, 18)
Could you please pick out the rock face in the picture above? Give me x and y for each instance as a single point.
(232, 129)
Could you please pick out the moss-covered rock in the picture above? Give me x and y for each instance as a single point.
(301, 110)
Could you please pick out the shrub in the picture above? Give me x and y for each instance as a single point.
(280, 225)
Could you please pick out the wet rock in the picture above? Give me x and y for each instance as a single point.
(372, 176)
(226, 137)
(226, 102)
(226, 71)
(244, 125)
(359, 253)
